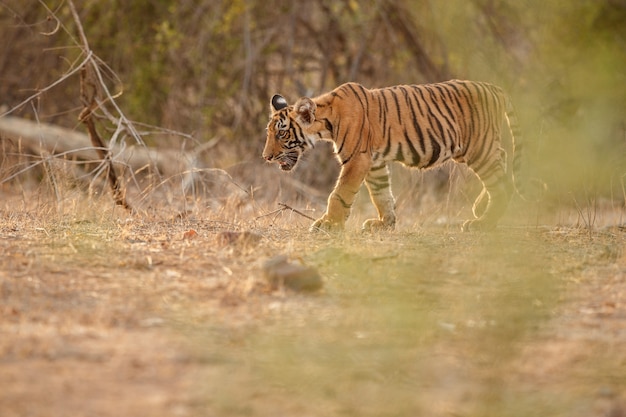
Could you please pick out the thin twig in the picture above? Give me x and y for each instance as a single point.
(284, 207)
(54, 84)
(44, 159)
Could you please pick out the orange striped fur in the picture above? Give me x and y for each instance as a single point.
(420, 126)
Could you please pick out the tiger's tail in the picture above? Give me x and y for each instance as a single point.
(517, 142)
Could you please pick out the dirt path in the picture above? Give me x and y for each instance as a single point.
(140, 317)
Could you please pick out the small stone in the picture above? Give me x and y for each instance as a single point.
(279, 272)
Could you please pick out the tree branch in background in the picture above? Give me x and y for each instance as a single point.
(89, 95)
(88, 92)
(401, 19)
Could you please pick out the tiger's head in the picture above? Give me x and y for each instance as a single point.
(288, 132)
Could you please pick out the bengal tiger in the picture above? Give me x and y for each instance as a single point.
(420, 126)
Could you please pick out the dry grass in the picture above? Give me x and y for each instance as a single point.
(107, 313)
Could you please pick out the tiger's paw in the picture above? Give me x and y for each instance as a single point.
(377, 225)
(325, 225)
(478, 225)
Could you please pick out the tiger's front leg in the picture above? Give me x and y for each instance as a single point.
(341, 198)
(379, 186)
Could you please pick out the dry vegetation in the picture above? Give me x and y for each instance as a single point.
(162, 309)
(105, 313)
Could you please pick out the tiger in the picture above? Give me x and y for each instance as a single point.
(420, 126)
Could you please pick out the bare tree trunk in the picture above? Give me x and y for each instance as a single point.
(401, 19)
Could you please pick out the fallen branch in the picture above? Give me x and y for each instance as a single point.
(39, 138)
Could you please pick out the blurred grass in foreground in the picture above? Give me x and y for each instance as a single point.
(408, 325)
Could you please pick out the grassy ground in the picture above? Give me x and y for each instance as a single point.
(107, 314)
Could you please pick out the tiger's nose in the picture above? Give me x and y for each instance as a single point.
(268, 157)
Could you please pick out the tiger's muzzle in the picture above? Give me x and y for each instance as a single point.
(285, 161)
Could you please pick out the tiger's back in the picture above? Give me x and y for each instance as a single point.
(418, 125)
(423, 125)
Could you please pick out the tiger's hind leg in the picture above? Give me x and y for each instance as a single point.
(379, 187)
(494, 198)
(481, 203)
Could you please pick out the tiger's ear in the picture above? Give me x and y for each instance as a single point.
(278, 102)
(305, 110)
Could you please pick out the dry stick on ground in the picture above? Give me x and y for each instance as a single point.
(284, 207)
(89, 94)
